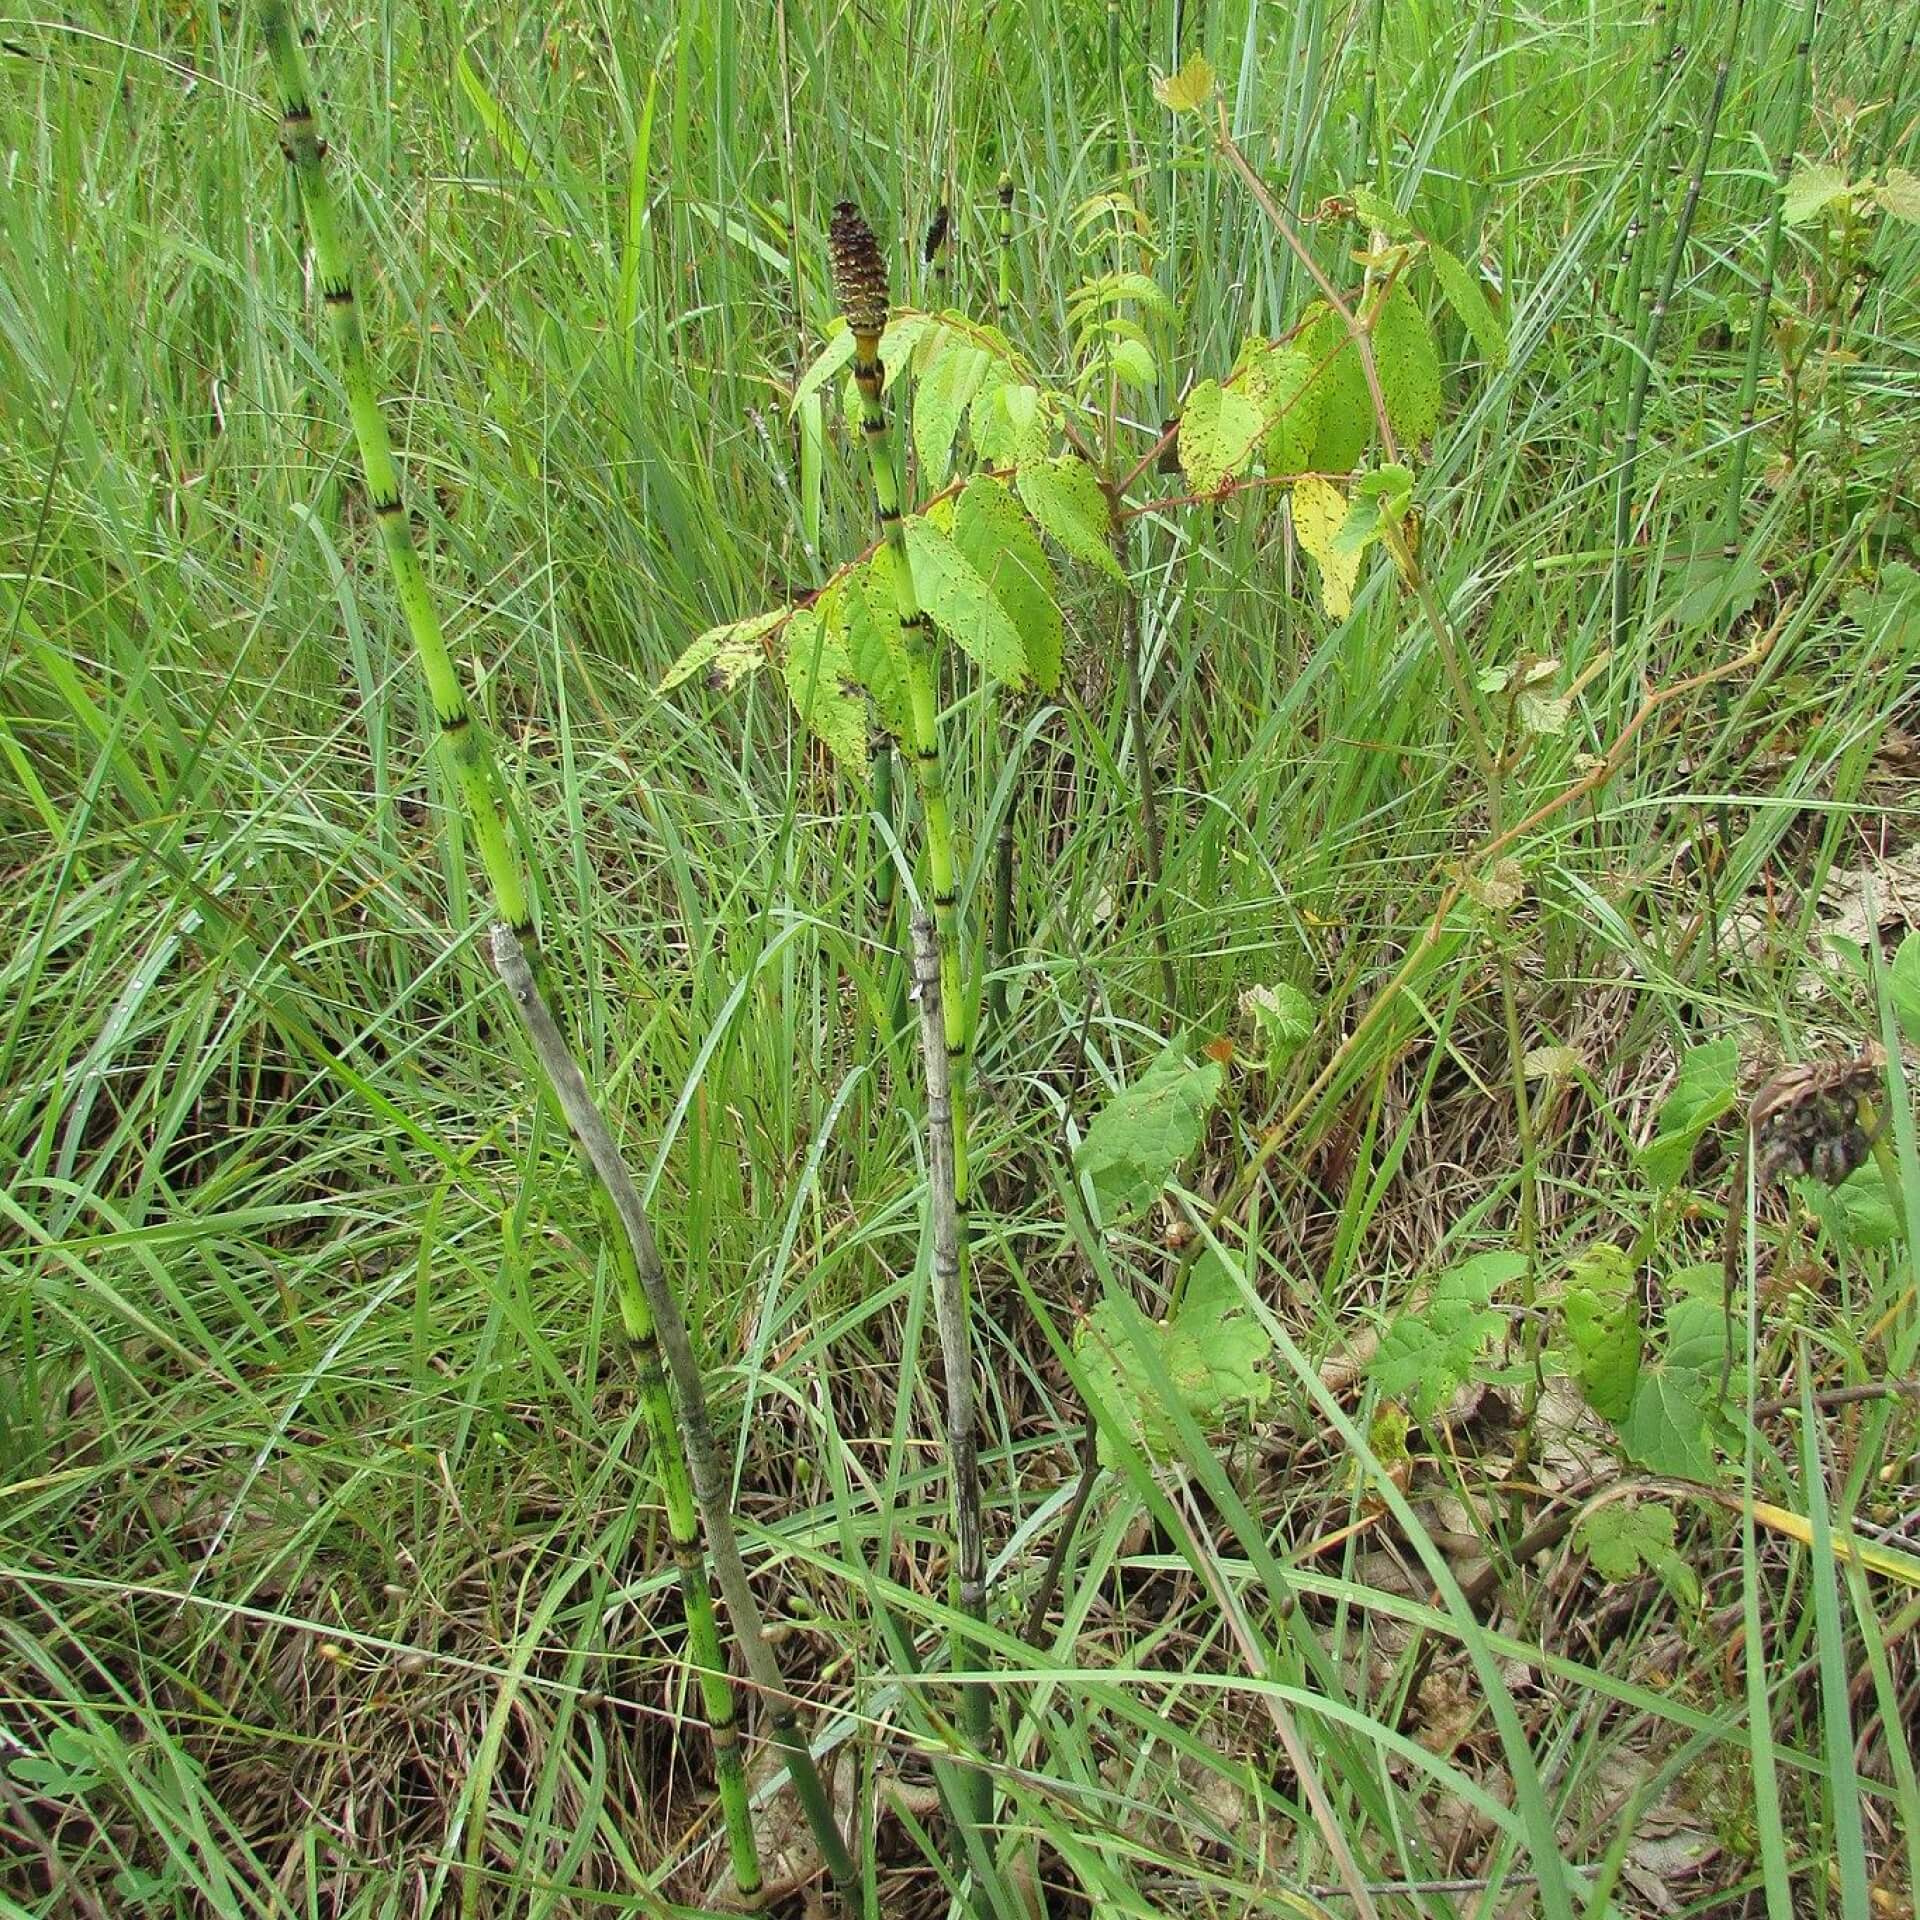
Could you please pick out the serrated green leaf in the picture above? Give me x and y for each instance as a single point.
(1903, 986)
(1619, 1539)
(1703, 1092)
(1357, 531)
(1279, 381)
(733, 651)
(1899, 194)
(1188, 90)
(821, 684)
(1344, 409)
(962, 605)
(1811, 188)
(1604, 1332)
(1408, 366)
(1427, 1355)
(1065, 496)
(993, 533)
(1008, 424)
(1468, 299)
(1212, 1352)
(1378, 211)
(1219, 429)
(1142, 1134)
(875, 648)
(1319, 512)
(1666, 1428)
(942, 395)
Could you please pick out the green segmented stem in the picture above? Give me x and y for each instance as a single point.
(465, 745)
(923, 740)
(1004, 302)
(1761, 331)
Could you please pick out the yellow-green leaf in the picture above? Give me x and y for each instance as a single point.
(962, 605)
(866, 604)
(1811, 189)
(1219, 429)
(1339, 383)
(993, 533)
(945, 391)
(733, 651)
(1065, 496)
(1319, 510)
(1899, 193)
(1468, 299)
(821, 685)
(1408, 366)
(1008, 424)
(1188, 90)
(1279, 381)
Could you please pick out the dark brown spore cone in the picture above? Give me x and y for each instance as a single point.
(938, 229)
(859, 273)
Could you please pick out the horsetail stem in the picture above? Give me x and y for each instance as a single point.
(567, 1087)
(1761, 331)
(860, 283)
(1656, 318)
(468, 753)
(1004, 291)
(956, 1356)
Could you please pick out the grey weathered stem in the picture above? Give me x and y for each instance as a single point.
(570, 1093)
(950, 1315)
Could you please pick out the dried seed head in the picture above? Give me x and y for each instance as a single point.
(937, 230)
(859, 273)
(1806, 1120)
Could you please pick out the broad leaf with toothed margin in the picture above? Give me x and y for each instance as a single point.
(821, 685)
(962, 605)
(1144, 1132)
(1066, 497)
(733, 651)
(992, 532)
(1219, 429)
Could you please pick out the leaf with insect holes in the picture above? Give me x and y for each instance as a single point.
(733, 652)
(1812, 187)
(1135, 1141)
(1279, 381)
(1065, 496)
(1345, 408)
(941, 397)
(1604, 1335)
(1702, 1093)
(1008, 423)
(1219, 429)
(1903, 986)
(866, 604)
(1408, 364)
(1468, 299)
(1188, 90)
(1899, 194)
(821, 684)
(962, 605)
(993, 533)
(1211, 1354)
(1377, 211)
(1284, 1016)
(1319, 511)
(1429, 1353)
(1620, 1538)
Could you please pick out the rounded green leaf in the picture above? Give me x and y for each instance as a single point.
(1408, 365)
(821, 685)
(1219, 429)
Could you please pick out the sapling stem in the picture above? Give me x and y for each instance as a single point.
(466, 749)
(956, 1356)
(568, 1088)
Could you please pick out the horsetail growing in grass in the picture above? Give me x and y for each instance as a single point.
(1649, 341)
(567, 1087)
(860, 285)
(1761, 330)
(956, 1354)
(465, 745)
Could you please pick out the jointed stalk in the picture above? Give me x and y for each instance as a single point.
(1761, 330)
(1656, 317)
(956, 1354)
(860, 275)
(568, 1088)
(1003, 304)
(465, 746)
